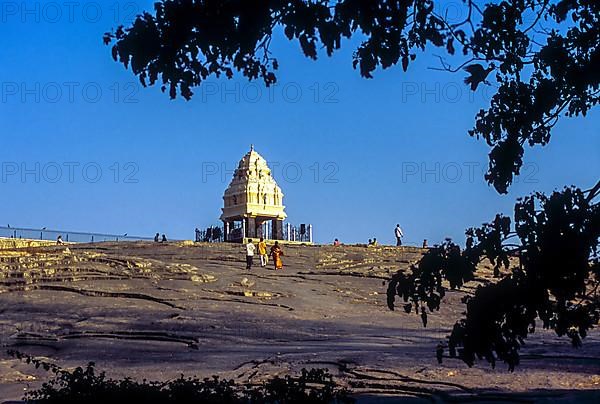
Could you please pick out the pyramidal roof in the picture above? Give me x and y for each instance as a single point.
(252, 160)
(253, 191)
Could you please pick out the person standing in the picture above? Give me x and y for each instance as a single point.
(262, 251)
(276, 252)
(399, 235)
(249, 254)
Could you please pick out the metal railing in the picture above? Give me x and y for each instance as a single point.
(302, 233)
(67, 236)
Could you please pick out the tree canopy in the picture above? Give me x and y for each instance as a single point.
(552, 262)
(543, 55)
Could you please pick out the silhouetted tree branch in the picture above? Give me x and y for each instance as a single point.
(553, 276)
(184, 42)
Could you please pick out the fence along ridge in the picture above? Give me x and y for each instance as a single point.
(12, 232)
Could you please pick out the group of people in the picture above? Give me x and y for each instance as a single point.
(374, 243)
(275, 252)
(159, 239)
(397, 232)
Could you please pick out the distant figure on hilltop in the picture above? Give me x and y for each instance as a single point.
(164, 239)
(336, 242)
(375, 243)
(156, 237)
(277, 253)
(59, 240)
(197, 232)
(399, 234)
(249, 254)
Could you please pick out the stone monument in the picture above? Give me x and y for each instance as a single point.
(253, 202)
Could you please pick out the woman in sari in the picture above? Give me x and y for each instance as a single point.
(276, 253)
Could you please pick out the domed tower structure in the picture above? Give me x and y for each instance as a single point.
(253, 201)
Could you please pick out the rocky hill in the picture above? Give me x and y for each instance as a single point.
(154, 311)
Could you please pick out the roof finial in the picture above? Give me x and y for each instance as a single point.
(251, 147)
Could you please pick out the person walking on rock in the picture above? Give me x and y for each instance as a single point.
(262, 251)
(399, 235)
(277, 253)
(249, 254)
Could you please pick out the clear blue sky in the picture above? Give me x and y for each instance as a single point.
(369, 141)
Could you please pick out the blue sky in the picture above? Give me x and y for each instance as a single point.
(353, 156)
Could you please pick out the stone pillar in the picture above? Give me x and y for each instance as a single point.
(277, 229)
(226, 230)
(260, 230)
(250, 227)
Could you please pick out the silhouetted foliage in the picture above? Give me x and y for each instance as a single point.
(543, 66)
(552, 275)
(423, 286)
(85, 385)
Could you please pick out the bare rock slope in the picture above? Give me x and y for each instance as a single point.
(156, 311)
